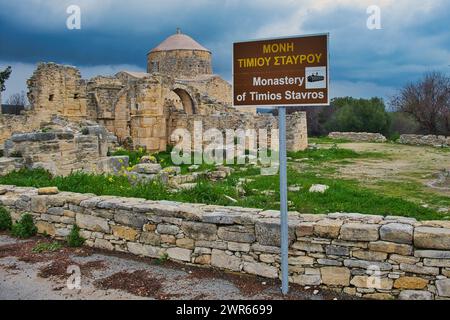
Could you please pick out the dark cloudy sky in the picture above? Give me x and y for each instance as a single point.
(117, 34)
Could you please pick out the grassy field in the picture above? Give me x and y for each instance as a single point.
(327, 165)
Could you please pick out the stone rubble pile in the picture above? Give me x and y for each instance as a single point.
(358, 136)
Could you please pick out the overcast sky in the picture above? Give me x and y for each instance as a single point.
(116, 35)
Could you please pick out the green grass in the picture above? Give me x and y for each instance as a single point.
(47, 247)
(343, 195)
(334, 153)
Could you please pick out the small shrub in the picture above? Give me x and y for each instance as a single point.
(5, 219)
(25, 228)
(85, 131)
(47, 247)
(74, 239)
(162, 259)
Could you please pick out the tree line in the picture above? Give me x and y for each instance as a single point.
(421, 107)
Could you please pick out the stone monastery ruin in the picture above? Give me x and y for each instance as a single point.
(143, 109)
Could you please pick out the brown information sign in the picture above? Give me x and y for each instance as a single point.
(281, 72)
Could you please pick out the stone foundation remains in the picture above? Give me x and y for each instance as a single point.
(425, 140)
(61, 147)
(364, 255)
(358, 136)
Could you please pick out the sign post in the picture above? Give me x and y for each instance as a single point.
(281, 73)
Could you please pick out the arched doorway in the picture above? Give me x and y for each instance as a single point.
(186, 100)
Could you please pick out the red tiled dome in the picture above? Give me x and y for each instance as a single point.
(179, 41)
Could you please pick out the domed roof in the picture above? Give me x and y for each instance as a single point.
(179, 41)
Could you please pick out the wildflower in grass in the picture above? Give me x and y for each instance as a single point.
(111, 179)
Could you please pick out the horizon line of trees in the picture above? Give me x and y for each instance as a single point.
(421, 107)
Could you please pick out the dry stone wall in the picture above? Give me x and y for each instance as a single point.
(425, 140)
(364, 255)
(358, 136)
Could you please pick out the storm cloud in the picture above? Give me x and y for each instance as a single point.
(116, 35)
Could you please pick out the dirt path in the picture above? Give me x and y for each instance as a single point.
(43, 276)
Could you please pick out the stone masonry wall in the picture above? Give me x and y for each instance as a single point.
(425, 140)
(358, 136)
(364, 255)
(296, 135)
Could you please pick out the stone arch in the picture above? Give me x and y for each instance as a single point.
(188, 102)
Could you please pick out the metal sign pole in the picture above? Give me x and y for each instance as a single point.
(283, 201)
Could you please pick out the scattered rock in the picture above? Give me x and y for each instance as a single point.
(48, 191)
(318, 188)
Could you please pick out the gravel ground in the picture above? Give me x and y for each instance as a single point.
(114, 276)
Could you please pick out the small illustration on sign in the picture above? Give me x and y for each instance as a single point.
(316, 78)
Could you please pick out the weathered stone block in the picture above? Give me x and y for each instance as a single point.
(359, 232)
(92, 223)
(397, 232)
(301, 260)
(328, 228)
(185, 243)
(369, 255)
(372, 282)
(433, 254)
(45, 228)
(203, 259)
(221, 260)
(432, 238)
(167, 229)
(307, 246)
(443, 287)
(200, 231)
(335, 276)
(337, 251)
(410, 283)
(39, 204)
(128, 218)
(238, 246)
(124, 232)
(444, 263)
(415, 295)
(304, 229)
(150, 238)
(419, 269)
(103, 244)
(390, 247)
(372, 265)
(307, 279)
(144, 250)
(261, 269)
(180, 254)
(48, 191)
(237, 234)
(268, 232)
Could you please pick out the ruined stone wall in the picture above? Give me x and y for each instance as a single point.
(425, 140)
(358, 136)
(60, 151)
(58, 90)
(180, 63)
(297, 136)
(364, 255)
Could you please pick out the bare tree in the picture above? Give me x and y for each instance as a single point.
(18, 99)
(428, 101)
(4, 75)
